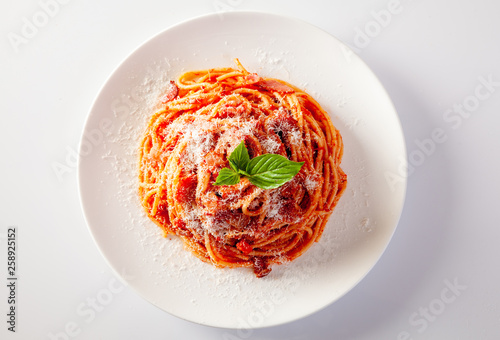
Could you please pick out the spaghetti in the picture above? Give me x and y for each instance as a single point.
(205, 116)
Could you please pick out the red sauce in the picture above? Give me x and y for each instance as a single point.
(244, 247)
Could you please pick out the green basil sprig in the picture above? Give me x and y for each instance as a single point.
(266, 171)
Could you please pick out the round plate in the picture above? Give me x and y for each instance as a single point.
(173, 279)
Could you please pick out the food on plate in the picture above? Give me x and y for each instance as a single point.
(244, 169)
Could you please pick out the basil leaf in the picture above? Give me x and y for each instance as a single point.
(266, 171)
(271, 171)
(243, 172)
(239, 158)
(227, 177)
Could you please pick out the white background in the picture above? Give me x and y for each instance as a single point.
(433, 57)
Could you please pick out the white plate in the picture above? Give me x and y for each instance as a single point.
(168, 276)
